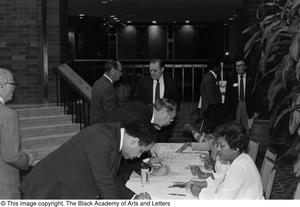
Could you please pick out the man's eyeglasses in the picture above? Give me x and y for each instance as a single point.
(14, 84)
(119, 70)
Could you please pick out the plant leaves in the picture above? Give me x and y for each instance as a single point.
(287, 64)
(295, 116)
(297, 69)
(286, 111)
(264, 76)
(249, 28)
(284, 10)
(250, 42)
(294, 47)
(274, 88)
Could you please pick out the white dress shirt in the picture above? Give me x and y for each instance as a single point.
(244, 81)
(161, 88)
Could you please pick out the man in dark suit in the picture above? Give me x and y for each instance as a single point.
(104, 97)
(238, 97)
(160, 114)
(12, 158)
(210, 89)
(86, 166)
(158, 85)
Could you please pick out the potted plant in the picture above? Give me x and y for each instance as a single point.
(276, 39)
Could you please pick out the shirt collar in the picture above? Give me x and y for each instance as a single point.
(161, 79)
(2, 100)
(214, 74)
(121, 140)
(108, 78)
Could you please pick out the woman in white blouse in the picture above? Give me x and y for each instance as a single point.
(242, 180)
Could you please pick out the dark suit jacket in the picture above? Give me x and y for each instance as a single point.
(104, 98)
(85, 167)
(144, 89)
(127, 113)
(232, 96)
(210, 91)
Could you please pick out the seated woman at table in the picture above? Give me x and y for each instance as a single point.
(242, 180)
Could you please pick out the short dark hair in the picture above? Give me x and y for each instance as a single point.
(234, 134)
(159, 61)
(109, 65)
(165, 102)
(143, 130)
(239, 58)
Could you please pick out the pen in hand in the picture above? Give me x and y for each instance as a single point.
(176, 194)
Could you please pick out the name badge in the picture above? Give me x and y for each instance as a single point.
(235, 85)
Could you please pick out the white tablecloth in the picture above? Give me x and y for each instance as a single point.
(178, 162)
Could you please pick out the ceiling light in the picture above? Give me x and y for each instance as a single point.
(174, 22)
(231, 18)
(81, 15)
(128, 21)
(115, 18)
(154, 22)
(187, 21)
(104, 2)
(227, 53)
(112, 16)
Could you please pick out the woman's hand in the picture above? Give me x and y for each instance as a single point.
(196, 186)
(162, 170)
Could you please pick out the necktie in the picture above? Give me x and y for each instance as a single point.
(242, 94)
(157, 89)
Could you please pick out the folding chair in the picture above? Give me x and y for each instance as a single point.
(253, 149)
(271, 155)
(270, 184)
(267, 176)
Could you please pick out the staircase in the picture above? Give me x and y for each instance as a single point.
(44, 128)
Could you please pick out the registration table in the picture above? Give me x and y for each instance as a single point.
(179, 162)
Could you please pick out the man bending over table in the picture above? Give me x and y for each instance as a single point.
(86, 166)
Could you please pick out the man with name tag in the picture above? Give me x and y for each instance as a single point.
(239, 99)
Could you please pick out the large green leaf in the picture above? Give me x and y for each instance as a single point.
(268, 29)
(286, 111)
(294, 47)
(270, 43)
(249, 28)
(257, 83)
(274, 88)
(298, 70)
(287, 65)
(285, 8)
(251, 41)
(295, 4)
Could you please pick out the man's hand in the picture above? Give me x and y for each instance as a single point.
(160, 171)
(142, 196)
(156, 160)
(196, 186)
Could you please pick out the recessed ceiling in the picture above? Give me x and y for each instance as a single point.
(166, 11)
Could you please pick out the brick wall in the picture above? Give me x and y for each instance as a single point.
(21, 45)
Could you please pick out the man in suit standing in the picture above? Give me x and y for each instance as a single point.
(238, 96)
(87, 165)
(104, 97)
(158, 85)
(210, 89)
(11, 157)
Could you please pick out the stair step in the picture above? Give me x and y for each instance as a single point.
(41, 152)
(44, 120)
(49, 130)
(50, 140)
(40, 111)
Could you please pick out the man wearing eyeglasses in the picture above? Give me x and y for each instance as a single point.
(156, 86)
(11, 157)
(104, 97)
